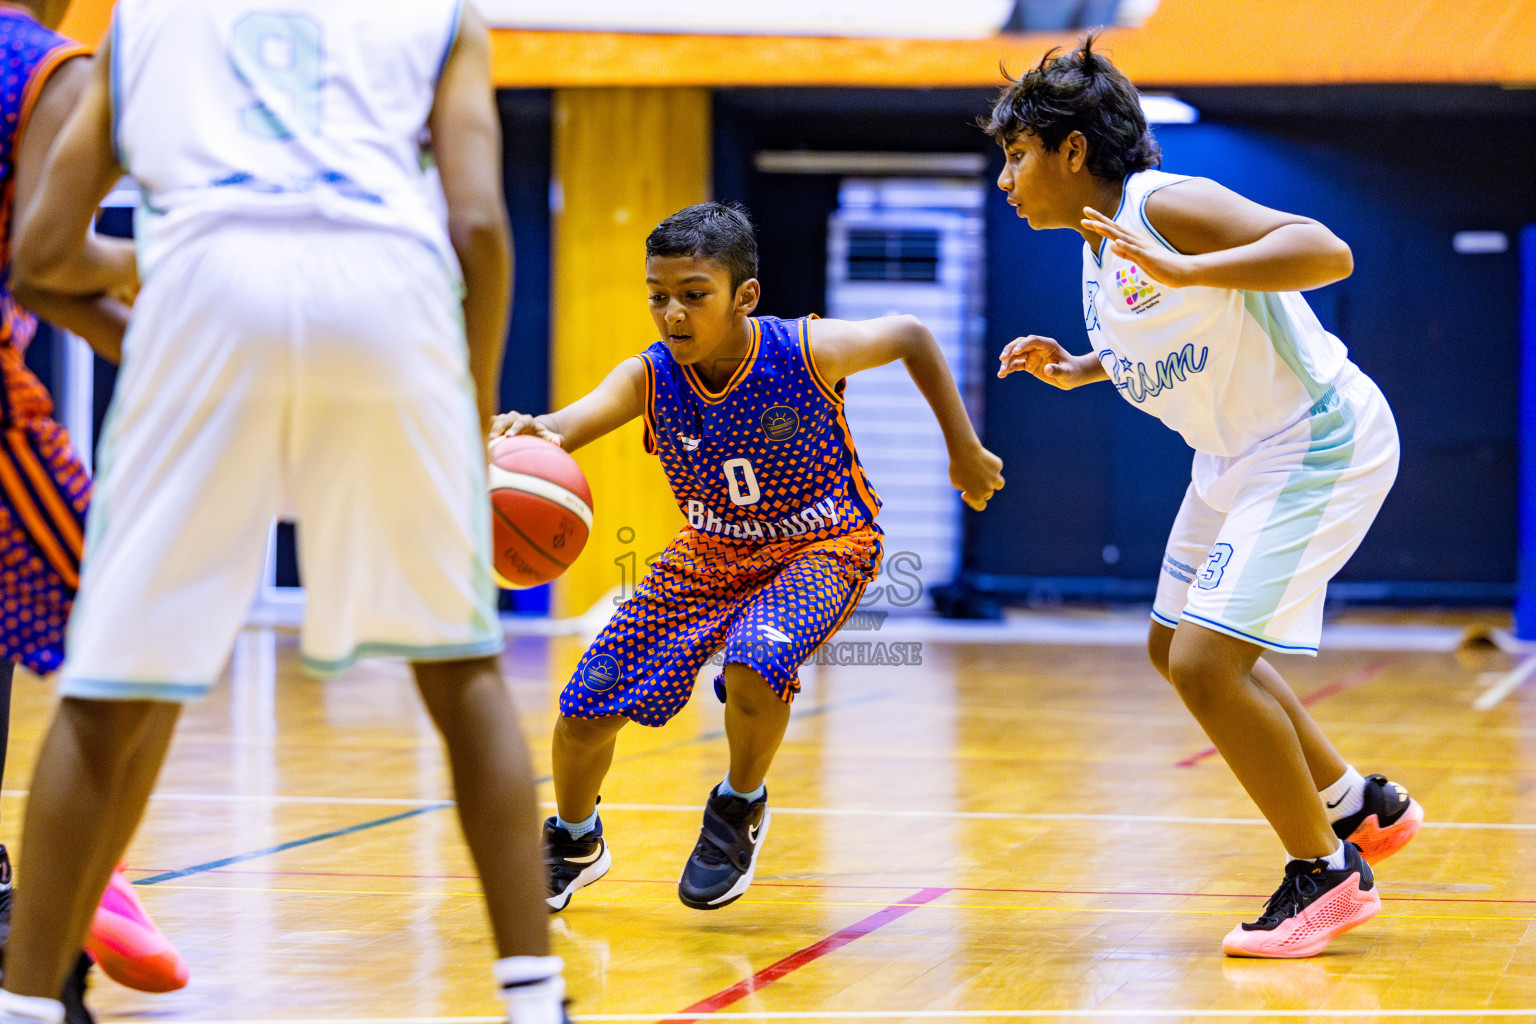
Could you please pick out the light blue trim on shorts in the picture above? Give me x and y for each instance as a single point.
(1262, 641)
(451, 652)
(109, 689)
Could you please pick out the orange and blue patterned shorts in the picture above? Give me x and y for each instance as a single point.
(44, 491)
(767, 606)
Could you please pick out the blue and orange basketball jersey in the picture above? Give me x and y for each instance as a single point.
(769, 457)
(29, 53)
(44, 490)
(781, 538)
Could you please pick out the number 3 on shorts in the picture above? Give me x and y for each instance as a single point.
(1209, 576)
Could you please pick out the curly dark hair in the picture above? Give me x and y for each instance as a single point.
(1083, 92)
(721, 232)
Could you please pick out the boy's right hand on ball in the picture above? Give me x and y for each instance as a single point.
(511, 424)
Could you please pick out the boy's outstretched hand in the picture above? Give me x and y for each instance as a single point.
(1046, 359)
(511, 424)
(977, 474)
(1159, 262)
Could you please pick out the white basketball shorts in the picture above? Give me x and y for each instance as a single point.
(311, 370)
(1260, 535)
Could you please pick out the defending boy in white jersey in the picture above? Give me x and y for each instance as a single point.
(1190, 298)
(299, 344)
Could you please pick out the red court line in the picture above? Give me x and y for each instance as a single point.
(850, 885)
(768, 975)
(811, 885)
(1354, 678)
(1064, 892)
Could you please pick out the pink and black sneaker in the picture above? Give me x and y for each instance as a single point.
(1384, 823)
(1313, 906)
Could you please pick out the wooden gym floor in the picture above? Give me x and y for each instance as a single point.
(1005, 832)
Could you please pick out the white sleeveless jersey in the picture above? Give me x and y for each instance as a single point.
(244, 110)
(1225, 368)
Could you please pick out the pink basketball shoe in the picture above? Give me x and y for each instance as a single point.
(125, 943)
(1313, 906)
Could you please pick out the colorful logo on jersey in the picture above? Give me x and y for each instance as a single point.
(601, 673)
(690, 444)
(781, 423)
(1133, 288)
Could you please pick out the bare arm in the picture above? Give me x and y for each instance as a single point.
(844, 347)
(55, 248)
(99, 319)
(1226, 241)
(1048, 360)
(466, 143)
(606, 408)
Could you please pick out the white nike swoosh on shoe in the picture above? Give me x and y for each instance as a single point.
(588, 859)
(752, 833)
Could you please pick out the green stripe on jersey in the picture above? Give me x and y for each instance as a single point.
(1269, 313)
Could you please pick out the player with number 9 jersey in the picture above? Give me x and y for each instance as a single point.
(325, 259)
(746, 414)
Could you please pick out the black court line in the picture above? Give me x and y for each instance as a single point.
(239, 858)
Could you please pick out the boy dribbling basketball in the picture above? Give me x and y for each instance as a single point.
(746, 414)
(1190, 298)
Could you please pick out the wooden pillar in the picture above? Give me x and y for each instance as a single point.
(623, 160)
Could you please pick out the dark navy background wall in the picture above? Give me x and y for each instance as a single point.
(525, 125)
(1395, 172)
(1093, 482)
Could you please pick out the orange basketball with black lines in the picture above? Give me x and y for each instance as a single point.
(541, 510)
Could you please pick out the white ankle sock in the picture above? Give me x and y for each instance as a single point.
(16, 1009)
(1344, 797)
(532, 988)
(1334, 860)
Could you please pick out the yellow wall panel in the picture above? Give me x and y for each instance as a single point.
(623, 160)
(87, 20)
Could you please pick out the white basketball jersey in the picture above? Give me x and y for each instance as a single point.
(242, 110)
(1225, 368)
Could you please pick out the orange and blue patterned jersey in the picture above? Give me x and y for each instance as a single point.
(769, 458)
(29, 53)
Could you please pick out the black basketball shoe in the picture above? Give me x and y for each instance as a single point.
(725, 857)
(5, 896)
(571, 864)
(1384, 823)
(73, 996)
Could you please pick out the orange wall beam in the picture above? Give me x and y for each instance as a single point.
(1186, 42)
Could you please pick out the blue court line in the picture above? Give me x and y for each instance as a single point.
(240, 858)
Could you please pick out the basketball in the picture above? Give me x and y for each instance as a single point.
(541, 510)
